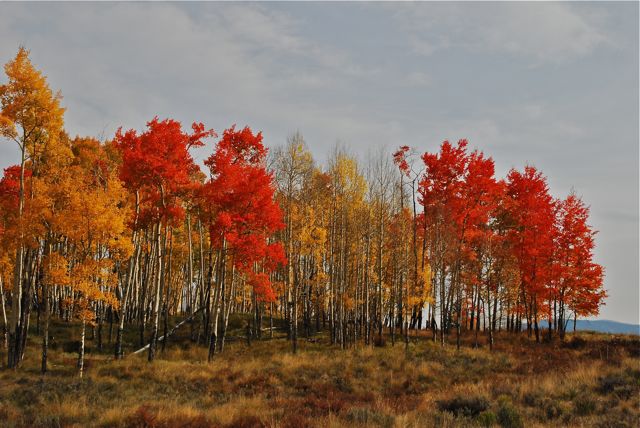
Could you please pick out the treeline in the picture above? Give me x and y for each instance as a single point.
(129, 232)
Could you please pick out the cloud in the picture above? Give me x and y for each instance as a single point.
(417, 78)
(121, 64)
(540, 32)
(260, 27)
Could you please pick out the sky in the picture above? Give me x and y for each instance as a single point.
(553, 85)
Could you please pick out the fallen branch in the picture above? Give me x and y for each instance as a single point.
(170, 332)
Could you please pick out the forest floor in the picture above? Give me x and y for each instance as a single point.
(589, 380)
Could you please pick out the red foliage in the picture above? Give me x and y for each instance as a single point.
(531, 212)
(458, 193)
(158, 165)
(240, 208)
(10, 187)
(577, 279)
(10, 197)
(470, 214)
(400, 159)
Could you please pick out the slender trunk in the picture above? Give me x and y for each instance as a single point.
(5, 330)
(128, 285)
(167, 287)
(15, 328)
(190, 265)
(33, 263)
(99, 329)
(45, 331)
(271, 320)
(81, 350)
(443, 308)
(535, 318)
(203, 301)
(226, 309)
(45, 304)
(220, 280)
(294, 317)
(157, 295)
(491, 326)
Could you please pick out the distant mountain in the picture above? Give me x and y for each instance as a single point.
(602, 326)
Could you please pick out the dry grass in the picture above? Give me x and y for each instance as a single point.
(593, 380)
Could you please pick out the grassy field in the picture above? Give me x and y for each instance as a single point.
(590, 380)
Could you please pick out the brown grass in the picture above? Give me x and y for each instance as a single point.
(590, 380)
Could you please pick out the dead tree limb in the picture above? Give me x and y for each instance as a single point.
(170, 332)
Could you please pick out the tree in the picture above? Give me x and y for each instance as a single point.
(293, 165)
(481, 195)
(577, 281)
(348, 189)
(531, 212)
(380, 200)
(441, 195)
(31, 116)
(243, 215)
(157, 168)
(420, 270)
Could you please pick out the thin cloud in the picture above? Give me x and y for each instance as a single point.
(548, 32)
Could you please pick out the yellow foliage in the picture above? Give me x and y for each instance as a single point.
(56, 270)
(28, 102)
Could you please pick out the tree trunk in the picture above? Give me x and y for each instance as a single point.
(45, 330)
(5, 330)
(81, 350)
(157, 295)
(15, 328)
(167, 285)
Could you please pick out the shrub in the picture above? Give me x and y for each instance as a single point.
(24, 397)
(294, 420)
(532, 398)
(633, 374)
(313, 405)
(363, 415)
(183, 421)
(585, 405)
(508, 415)
(612, 402)
(464, 406)
(145, 416)
(576, 342)
(246, 421)
(379, 341)
(609, 383)
(552, 408)
(487, 419)
(624, 386)
(502, 388)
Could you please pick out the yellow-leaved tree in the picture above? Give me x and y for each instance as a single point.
(31, 116)
(96, 225)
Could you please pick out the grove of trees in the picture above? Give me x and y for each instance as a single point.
(130, 233)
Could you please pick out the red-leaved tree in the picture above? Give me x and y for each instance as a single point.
(242, 217)
(158, 169)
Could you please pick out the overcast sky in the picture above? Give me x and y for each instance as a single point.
(550, 84)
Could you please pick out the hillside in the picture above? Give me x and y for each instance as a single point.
(590, 380)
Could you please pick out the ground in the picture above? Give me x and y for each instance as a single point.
(589, 380)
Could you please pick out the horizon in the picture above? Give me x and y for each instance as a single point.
(386, 75)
